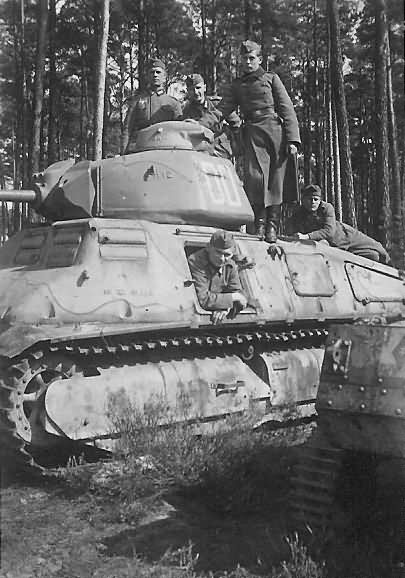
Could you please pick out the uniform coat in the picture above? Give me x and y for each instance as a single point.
(213, 286)
(149, 108)
(322, 224)
(208, 115)
(270, 123)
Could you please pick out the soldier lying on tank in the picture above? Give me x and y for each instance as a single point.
(216, 277)
(315, 219)
(151, 106)
(201, 108)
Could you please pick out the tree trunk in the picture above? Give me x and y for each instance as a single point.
(348, 204)
(366, 212)
(20, 144)
(204, 39)
(52, 144)
(263, 32)
(317, 92)
(306, 133)
(248, 18)
(142, 46)
(213, 67)
(131, 64)
(42, 9)
(330, 168)
(381, 123)
(337, 182)
(396, 197)
(83, 113)
(100, 84)
(122, 100)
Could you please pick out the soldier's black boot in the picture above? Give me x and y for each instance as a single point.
(260, 221)
(273, 213)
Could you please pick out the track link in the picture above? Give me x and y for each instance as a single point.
(27, 377)
(313, 495)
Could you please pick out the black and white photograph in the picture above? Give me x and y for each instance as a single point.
(202, 289)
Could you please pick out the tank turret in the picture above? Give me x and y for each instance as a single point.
(42, 185)
(171, 178)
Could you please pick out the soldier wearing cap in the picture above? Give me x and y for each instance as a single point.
(201, 108)
(270, 134)
(315, 219)
(216, 277)
(151, 106)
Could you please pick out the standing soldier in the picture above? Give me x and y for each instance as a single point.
(201, 108)
(270, 134)
(151, 106)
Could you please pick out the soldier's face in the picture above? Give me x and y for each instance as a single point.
(157, 77)
(196, 93)
(311, 202)
(250, 61)
(219, 257)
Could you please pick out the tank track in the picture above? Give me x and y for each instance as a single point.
(40, 365)
(314, 485)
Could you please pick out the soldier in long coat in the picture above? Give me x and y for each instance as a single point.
(270, 134)
(151, 106)
(315, 219)
(201, 108)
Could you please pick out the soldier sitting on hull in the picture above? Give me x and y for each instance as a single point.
(150, 107)
(315, 219)
(216, 278)
(201, 108)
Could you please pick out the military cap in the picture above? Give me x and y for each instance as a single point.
(157, 63)
(222, 240)
(250, 46)
(311, 190)
(194, 79)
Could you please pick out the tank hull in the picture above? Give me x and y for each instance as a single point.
(106, 294)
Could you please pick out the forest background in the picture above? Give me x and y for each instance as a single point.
(68, 69)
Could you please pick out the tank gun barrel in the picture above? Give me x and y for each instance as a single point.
(19, 196)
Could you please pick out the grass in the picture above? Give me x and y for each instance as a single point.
(236, 473)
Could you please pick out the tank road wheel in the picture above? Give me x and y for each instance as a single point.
(23, 386)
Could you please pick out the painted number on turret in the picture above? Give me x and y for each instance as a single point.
(219, 185)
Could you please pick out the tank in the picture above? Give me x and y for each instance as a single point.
(355, 462)
(98, 302)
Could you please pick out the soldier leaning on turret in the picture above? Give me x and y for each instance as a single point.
(151, 106)
(270, 134)
(315, 219)
(201, 108)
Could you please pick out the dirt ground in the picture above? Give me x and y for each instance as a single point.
(86, 522)
(53, 528)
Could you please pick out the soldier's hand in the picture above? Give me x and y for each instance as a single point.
(218, 316)
(292, 149)
(275, 251)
